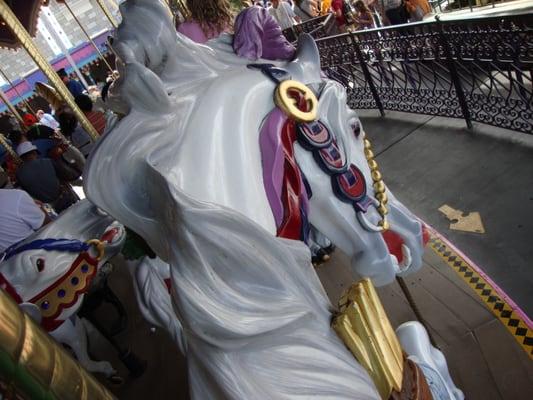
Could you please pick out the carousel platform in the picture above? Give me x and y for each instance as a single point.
(486, 358)
(429, 162)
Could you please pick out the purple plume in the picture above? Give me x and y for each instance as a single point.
(258, 35)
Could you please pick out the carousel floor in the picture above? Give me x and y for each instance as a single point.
(431, 161)
(485, 360)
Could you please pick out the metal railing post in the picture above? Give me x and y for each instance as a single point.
(456, 80)
(367, 74)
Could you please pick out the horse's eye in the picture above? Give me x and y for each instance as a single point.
(40, 264)
(356, 128)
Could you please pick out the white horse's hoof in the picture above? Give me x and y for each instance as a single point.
(105, 368)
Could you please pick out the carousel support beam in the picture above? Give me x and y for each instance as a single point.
(26, 103)
(26, 41)
(107, 13)
(12, 109)
(88, 36)
(10, 150)
(55, 35)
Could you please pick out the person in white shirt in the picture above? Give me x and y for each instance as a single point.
(47, 120)
(283, 13)
(20, 216)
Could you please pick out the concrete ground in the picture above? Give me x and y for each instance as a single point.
(430, 161)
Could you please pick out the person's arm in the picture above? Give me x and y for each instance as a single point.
(364, 19)
(296, 17)
(291, 12)
(31, 213)
(47, 218)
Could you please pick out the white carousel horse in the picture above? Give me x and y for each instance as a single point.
(50, 272)
(185, 165)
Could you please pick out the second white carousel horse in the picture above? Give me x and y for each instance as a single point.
(50, 272)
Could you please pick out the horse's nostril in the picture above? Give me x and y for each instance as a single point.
(40, 264)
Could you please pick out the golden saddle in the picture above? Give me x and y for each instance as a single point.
(363, 326)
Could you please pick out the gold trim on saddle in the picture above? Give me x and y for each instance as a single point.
(67, 290)
(287, 102)
(365, 329)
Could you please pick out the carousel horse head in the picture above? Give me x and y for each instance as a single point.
(53, 268)
(274, 141)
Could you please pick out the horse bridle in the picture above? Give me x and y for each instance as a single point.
(300, 104)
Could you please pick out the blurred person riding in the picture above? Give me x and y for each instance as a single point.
(74, 87)
(338, 7)
(306, 9)
(96, 118)
(40, 178)
(47, 119)
(284, 14)
(417, 9)
(20, 216)
(207, 20)
(363, 17)
(42, 136)
(86, 73)
(325, 7)
(395, 11)
(75, 132)
(29, 120)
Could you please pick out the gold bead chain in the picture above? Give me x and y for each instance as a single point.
(379, 185)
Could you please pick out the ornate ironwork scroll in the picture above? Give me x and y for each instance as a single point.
(479, 69)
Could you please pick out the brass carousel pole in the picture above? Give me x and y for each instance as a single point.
(107, 13)
(34, 366)
(26, 103)
(88, 36)
(26, 41)
(11, 151)
(12, 108)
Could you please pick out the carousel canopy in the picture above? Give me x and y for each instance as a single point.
(27, 12)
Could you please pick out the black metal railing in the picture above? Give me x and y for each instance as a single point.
(479, 69)
(317, 27)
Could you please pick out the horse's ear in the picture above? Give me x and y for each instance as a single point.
(307, 59)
